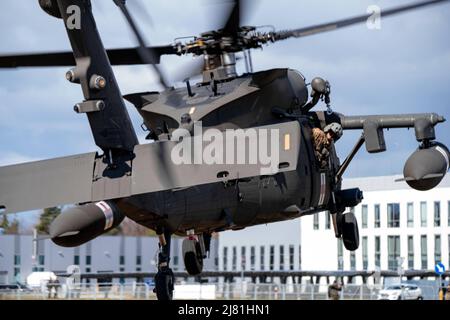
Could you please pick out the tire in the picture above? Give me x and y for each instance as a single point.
(350, 232)
(193, 264)
(193, 260)
(420, 298)
(164, 285)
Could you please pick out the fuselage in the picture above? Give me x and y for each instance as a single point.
(246, 102)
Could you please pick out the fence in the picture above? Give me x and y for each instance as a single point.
(222, 291)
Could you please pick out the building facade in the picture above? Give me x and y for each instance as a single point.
(399, 228)
(269, 247)
(395, 223)
(103, 254)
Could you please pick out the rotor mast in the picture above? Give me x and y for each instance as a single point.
(219, 66)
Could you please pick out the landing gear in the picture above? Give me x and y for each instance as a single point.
(348, 227)
(164, 279)
(194, 252)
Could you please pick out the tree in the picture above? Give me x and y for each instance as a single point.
(13, 228)
(5, 223)
(130, 228)
(9, 228)
(47, 216)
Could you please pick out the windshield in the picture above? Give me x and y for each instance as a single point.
(394, 288)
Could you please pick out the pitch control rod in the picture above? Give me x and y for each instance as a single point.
(350, 157)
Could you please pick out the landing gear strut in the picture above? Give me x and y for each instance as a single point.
(194, 251)
(164, 279)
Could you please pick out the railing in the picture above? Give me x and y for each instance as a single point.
(221, 291)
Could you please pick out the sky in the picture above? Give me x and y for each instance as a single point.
(402, 68)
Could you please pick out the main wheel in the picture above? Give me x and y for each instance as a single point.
(164, 285)
(193, 260)
(350, 232)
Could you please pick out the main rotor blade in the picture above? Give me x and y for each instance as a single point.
(237, 16)
(117, 57)
(147, 55)
(307, 31)
(234, 19)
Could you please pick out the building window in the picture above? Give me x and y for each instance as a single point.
(16, 272)
(410, 213)
(281, 258)
(393, 212)
(88, 270)
(252, 258)
(175, 261)
(437, 249)
(243, 260)
(138, 260)
(448, 215)
(364, 216)
(76, 260)
(234, 259)
(377, 215)
(365, 257)
(423, 214)
(272, 257)
(393, 252)
(316, 221)
(122, 260)
(291, 257)
(352, 260)
(327, 220)
(423, 252)
(88, 260)
(41, 260)
(437, 214)
(299, 257)
(16, 260)
(340, 255)
(138, 269)
(448, 250)
(225, 258)
(261, 258)
(377, 251)
(410, 252)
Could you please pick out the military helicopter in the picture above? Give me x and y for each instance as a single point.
(196, 199)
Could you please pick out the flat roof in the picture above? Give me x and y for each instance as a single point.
(385, 183)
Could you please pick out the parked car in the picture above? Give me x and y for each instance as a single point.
(14, 287)
(401, 292)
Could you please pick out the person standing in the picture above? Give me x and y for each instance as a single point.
(334, 290)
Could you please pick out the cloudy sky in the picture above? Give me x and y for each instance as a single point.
(402, 68)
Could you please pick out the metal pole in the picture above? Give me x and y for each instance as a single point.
(250, 63)
(349, 158)
(361, 296)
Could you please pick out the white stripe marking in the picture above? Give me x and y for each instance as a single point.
(108, 212)
(444, 153)
(322, 189)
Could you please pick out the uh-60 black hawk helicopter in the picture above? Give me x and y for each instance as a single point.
(142, 183)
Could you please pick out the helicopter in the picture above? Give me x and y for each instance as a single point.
(193, 197)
